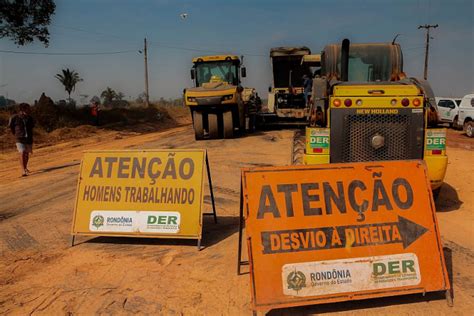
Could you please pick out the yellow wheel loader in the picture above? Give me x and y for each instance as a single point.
(217, 100)
(364, 108)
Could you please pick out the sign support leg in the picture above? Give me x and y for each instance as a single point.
(449, 298)
(199, 244)
(210, 189)
(241, 218)
(72, 240)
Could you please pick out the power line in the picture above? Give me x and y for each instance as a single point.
(68, 54)
(92, 32)
(413, 48)
(415, 56)
(159, 44)
(202, 50)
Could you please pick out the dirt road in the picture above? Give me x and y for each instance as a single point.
(41, 274)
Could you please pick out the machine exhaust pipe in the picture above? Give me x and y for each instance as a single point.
(345, 60)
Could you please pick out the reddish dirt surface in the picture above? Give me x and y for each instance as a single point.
(459, 139)
(41, 274)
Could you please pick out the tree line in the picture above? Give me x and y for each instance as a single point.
(25, 22)
(111, 98)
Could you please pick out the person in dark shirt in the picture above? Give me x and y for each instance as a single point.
(253, 107)
(21, 126)
(95, 110)
(307, 86)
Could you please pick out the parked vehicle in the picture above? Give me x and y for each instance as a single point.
(448, 109)
(466, 114)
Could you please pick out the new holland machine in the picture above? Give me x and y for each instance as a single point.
(365, 108)
(217, 100)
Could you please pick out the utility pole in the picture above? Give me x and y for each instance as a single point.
(427, 47)
(147, 97)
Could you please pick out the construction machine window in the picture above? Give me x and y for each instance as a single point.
(288, 72)
(368, 64)
(219, 71)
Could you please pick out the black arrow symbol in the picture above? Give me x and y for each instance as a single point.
(409, 230)
(282, 241)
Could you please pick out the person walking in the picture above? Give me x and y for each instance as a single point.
(307, 86)
(21, 126)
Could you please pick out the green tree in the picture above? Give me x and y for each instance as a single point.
(24, 20)
(120, 96)
(3, 101)
(69, 79)
(108, 95)
(141, 98)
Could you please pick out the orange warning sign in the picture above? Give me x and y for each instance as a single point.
(338, 232)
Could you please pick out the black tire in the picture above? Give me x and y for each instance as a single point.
(213, 126)
(228, 123)
(469, 128)
(198, 125)
(454, 124)
(297, 150)
(436, 193)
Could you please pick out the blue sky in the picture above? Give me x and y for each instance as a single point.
(248, 28)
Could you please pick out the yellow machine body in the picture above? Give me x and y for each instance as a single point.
(367, 100)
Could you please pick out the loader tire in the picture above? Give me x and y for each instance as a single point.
(213, 126)
(198, 125)
(297, 150)
(228, 124)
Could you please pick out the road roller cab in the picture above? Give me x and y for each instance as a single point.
(217, 99)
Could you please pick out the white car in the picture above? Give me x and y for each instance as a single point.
(466, 114)
(448, 110)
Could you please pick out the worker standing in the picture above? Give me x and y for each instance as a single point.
(95, 111)
(241, 108)
(307, 86)
(253, 107)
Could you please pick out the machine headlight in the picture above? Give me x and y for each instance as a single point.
(191, 99)
(227, 97)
